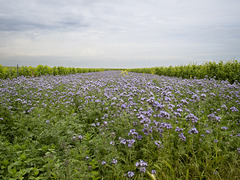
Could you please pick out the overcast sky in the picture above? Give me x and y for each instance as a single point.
(118, 33)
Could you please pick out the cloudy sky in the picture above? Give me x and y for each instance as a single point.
(118, 33)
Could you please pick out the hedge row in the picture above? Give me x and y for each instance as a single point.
(11, 72)
(229, 70)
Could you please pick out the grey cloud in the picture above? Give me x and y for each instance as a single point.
(117, 29)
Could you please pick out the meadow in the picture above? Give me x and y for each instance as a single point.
(119, 125)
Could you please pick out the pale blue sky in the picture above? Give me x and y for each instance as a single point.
(118, 33)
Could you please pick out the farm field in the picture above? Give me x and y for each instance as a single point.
(119, 125)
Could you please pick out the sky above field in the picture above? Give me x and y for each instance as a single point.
(118, 33)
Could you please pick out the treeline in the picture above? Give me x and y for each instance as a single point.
(229, 70)
(40, 70)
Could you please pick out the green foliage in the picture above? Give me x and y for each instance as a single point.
(40, 70)
(229, 71)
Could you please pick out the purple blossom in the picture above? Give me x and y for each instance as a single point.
(213, 117)
(164, 114)
(207, 131)
(192, 118)
(179, 110)
(133, 132)
(203, 96)
(141, 163)
(224, 128)
(154, 171)
(130, 174)
(103, 163)
(184, 101)
(112, 143)
(178, 129)
(142, 169)
(166, 125)
(233, 109)
(124, 106)
(123, 141)
(139, 137)
(114, 161)
(182, 137)
(159, 144)
(193, 131)
(131, 142)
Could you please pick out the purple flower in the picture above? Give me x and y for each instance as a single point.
(224, 128)
(179, 110)
(142, 169)
(80, 137)
(159, 144)
(133, 132)
(193, 131)
(112, 143)
(130, 174)
(47, 121)
(184, 101)
(178, 129)
(145, 131)
(124, 106)
(238, 149)
(154, 171)
(215, 140)
(103, 163)
(166, 125)
(131, 142)
(213, 117)
(208, 132)
(141, 163)
(182, 137)
(139, 137)
(123, 141)
(203, 96)
(192, 118)
(164, 114)
(114, 161)
(233, 109)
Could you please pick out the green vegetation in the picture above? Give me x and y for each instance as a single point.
(40, 70)
(118, 125)
(229, 70)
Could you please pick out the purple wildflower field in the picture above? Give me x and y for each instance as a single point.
(119, 125)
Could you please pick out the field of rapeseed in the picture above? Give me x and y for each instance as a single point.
(119, 125)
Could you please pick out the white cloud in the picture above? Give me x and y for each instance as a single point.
(123, 31)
